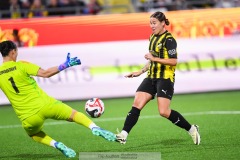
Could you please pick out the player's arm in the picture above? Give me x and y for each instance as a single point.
(138, 73)
(171, 46)
(54, 70)
(48, 72)
(171, 61)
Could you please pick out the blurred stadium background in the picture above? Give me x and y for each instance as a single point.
(28, 8)
(111, 37)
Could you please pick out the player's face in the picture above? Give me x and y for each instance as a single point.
(157, 26)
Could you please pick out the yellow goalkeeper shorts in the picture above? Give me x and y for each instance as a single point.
(57, 111)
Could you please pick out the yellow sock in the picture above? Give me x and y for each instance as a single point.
(41, 137)
(82, 119)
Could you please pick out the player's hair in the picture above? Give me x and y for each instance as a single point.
(161, 17)
(6, 47)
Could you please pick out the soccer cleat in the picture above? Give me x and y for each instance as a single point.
(121, 138)
(68, 152)
(195, 135)
(97, 131)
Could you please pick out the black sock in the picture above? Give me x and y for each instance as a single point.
(177, 119)
(131, 119)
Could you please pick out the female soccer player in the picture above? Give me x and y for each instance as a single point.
(162, 61)
(32, 105)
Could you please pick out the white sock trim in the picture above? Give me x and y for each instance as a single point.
(92, 125)
(52, 143)
(192, 129)
(124, 133)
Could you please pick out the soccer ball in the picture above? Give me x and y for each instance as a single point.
(94, 107)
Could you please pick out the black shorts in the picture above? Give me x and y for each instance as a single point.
(161, 87)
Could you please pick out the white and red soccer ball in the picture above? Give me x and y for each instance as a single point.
(94, 107)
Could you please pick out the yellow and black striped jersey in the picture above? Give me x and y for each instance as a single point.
(162, 46)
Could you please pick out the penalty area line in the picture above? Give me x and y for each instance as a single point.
(123, 118)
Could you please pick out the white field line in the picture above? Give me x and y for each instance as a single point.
(123, 118)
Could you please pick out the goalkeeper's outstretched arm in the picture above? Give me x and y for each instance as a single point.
(48, 72)
(54, 70)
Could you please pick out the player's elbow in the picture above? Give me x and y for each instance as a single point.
(173, 62)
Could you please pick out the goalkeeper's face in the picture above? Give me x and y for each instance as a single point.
(14, 54)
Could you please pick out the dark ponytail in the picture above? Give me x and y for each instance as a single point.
(161, 17)
(6, 47)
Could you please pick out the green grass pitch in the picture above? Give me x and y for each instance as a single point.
(217, 114)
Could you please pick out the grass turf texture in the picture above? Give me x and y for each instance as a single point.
(219, 131)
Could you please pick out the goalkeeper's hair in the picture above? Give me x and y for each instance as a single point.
(6, 47)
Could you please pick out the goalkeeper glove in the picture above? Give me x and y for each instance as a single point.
(69, 62)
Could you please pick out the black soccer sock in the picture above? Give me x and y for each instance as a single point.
(177, 119)
(131, 119)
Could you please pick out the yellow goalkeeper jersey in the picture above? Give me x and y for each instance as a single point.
(26, 97)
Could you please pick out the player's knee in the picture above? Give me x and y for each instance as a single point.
(34, 134)
(139, 105)
(164, 113)
(70, 119)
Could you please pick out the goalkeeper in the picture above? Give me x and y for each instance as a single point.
(32, 105)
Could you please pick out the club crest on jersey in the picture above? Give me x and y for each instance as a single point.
(159, 45)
